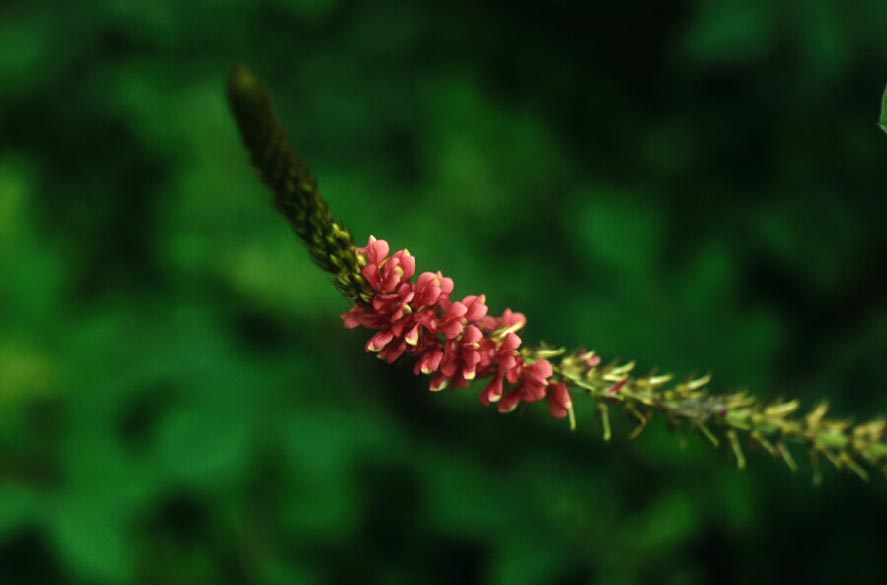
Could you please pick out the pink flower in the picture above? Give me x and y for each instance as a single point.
(508, 322)
(457, 341)
(559, 403)
(476, 308)
(532, 387)
(493, 391)
(385, 274)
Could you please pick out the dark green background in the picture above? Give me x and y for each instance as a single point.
(698, 185)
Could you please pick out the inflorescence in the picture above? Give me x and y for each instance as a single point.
(458, 342)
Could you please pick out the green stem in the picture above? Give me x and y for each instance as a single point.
(772, 427)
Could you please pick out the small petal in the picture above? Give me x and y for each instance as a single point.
(380, 340)
(512, 321)
(514, 374)
(452, 329)
(538, 371)
(557, 411)
(493, 391)
(352, 318)
(509, 402)
(559, 402)
(408, 263)
(532, 391)
(450, 366)
(431, 361)
(476, 308)
(412, 337)
(446, 284)
(439, 383)
(559, 394)
(377, 250)
(472, 336)
(371, 273)
(511, 342)
(456, 311)
(392, 352)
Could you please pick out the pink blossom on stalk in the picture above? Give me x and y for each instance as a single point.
(559, 403)
(532, 387)
(493, 391)
(455, 340)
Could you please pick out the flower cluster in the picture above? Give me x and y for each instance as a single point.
(456, 341)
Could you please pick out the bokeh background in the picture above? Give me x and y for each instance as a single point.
(699, 186)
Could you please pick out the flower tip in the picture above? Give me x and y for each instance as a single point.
(558, 412)
(439, 384)
(379, 341)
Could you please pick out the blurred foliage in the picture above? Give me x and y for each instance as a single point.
(695, 185)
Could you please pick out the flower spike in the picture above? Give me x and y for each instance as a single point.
(457, 342)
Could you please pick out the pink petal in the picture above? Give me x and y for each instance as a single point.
(384, 302)
(446, 284)
(557, 411)
(509, 363)
(514, 374)
(430, 361)
(392, 352)
(509, 402)
(452, 329)
(511, 342)
(412, 336)
(457, 310)
(408, 263)
(493, 391)
(510, 319)
(559, 394)
(425, 279)
(476, 308)
(371, 273)
(471, 358)
(427, 319)
(439, 383)
(532, 392)
(377, 250)
(538, 371)
(352, 318)
(449, 366)
(472, 336)
(380, 340)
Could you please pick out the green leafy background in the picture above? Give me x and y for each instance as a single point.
(695, 185)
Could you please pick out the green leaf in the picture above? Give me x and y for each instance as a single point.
(883, 122)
